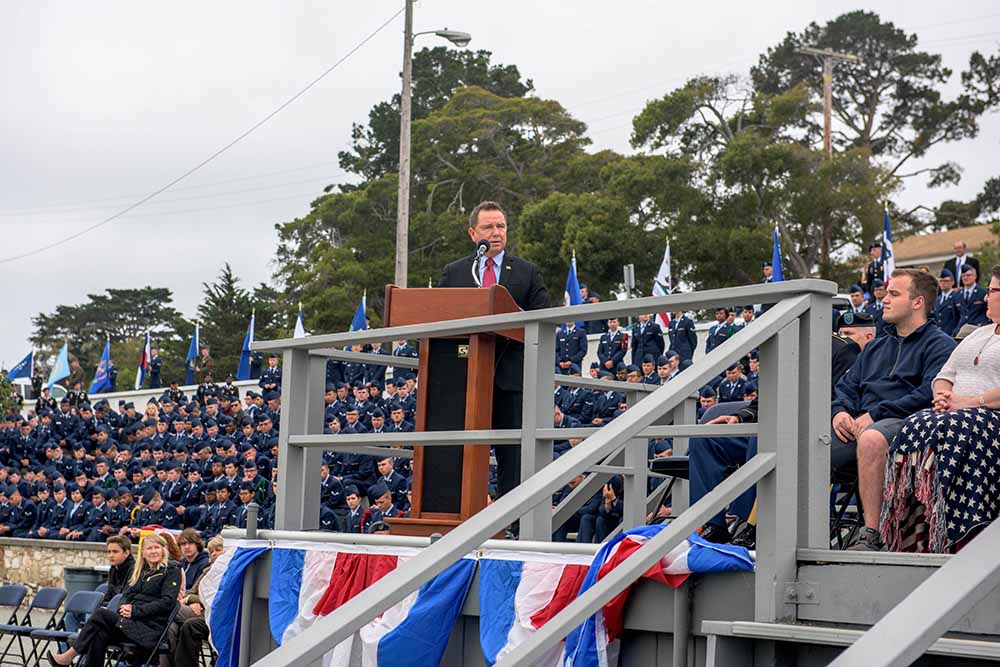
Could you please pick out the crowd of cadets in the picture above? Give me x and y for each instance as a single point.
(76, 471)
(82, 471)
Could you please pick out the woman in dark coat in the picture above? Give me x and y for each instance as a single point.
(147, 604)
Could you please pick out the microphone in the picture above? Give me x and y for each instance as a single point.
(481, 249)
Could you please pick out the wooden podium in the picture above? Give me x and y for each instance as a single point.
(450, 483)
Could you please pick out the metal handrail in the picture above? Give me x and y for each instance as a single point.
(764, 293)
(330, 630)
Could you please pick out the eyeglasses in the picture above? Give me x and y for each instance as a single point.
(992, 290)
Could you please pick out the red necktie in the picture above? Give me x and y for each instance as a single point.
(489, 276)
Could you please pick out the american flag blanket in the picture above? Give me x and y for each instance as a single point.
(942, 479)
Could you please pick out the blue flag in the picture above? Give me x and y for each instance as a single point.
(61, 369)
(192, 356)
(102, 382)
(777, 274)
(888, 258)
(360, 321)
(243, 372)
(23, 368)
(572, 294)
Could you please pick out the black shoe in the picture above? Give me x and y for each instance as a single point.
(869, 539)
(717, 534)
(747, 538)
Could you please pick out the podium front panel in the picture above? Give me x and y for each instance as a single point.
(445, 389)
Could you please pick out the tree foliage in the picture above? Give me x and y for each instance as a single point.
(890, 102)
(437, 73)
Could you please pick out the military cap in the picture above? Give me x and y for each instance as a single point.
(851, 319)
(663, 359)
(377, 490)
(245, 485)
(946, 273)
(649, 359)
(707, 392)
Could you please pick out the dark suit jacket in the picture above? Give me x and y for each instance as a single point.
(524, 282)
(952, 265)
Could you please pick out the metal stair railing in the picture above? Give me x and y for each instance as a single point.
(803, 307)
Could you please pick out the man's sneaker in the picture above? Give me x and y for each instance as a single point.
(869, 539)
(747, 538)
(717, 534)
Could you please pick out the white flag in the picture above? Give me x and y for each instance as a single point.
(663, 284)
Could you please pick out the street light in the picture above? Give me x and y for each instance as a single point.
(457, 38)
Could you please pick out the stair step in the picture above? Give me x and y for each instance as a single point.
(811, 634)
(824, 556)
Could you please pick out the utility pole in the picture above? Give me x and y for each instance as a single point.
(828, 57)
(403, 202)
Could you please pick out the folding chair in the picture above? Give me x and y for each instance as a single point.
(81, 602)
(12, 595)
(208, 655)
(127, 651)
(846, 514)
(46, 600)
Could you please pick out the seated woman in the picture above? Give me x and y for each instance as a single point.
(942, 478)
(147, 603)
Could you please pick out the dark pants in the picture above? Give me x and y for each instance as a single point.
(507, 407)
(710, 460)
(100, 631)
(193, 633)
(594, 528)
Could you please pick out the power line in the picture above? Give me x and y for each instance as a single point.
(210, 158)
(91, 203)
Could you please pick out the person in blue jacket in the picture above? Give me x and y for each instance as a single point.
(889, 381)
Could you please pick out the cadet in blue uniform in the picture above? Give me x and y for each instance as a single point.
(270, 378)
(606, 403)
(733, 387)
(356, 514)
(649, 374)
(971, 299)
(946, 308)
(393, 481)
(611, 348)
(722, 330)
(683, 338)
(22, 515)
(707, 397)
(647, 339)
(875, 307)
(155, 366)
(571, 346)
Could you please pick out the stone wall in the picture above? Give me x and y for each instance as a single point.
(38, 563)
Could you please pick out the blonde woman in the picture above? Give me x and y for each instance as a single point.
(148, 601)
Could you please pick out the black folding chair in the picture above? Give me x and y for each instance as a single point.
(208, 656)
(846, 514)
(130, 653)
(46, 600)
(81, 602)
(12, 596)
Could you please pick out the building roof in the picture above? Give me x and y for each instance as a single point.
(939, 246)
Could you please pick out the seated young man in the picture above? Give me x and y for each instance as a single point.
(890, 381)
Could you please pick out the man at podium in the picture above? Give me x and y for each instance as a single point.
(524, 282)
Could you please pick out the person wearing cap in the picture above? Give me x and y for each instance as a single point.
(946, 309)
(175, 394)
(229, 391)
(207, 389)
(96, 522)
(382, 506)
(633, 374)
(43, 507)
(733, 387)
(605, 403)
(647, 339)
(174, 487)
(270, 377)
(577, 402)
(667, 366)
(192, 502)
(76, 395)
(158, 512)
(45, 401)
(155, 367)
(707, 397)
(56, 518)
(354, 521)
(875, 269)
(649, 374)
(120, 513)
(857, 295)
(971, 300)
(571, 345)
(22, 515)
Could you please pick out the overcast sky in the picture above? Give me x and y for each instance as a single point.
(104, 102)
